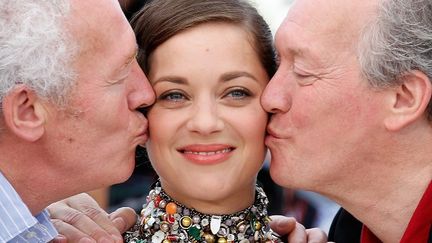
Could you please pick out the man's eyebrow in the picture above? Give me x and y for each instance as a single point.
(119, 70)
(236, 74)
(293, 48)
(132, 56)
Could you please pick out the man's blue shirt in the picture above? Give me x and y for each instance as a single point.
(17, 224)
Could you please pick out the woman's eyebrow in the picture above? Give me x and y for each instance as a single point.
(236, 74)
(171, 79)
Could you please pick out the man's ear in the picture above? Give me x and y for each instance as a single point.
(409, 100)
(24, 113)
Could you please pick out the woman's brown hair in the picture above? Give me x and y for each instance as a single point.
(160, 20)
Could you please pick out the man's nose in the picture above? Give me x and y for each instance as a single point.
(277, 96)
(141, 92)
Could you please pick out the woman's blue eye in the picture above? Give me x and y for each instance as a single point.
(238, 94)
(175, 96)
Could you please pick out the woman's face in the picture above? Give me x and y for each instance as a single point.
(207, 126)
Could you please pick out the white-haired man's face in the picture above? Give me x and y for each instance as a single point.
(95, 138)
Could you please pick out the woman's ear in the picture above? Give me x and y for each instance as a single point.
(409, 100)
(24, 114)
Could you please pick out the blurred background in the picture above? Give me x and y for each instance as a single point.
(274, 11)
(311, 209)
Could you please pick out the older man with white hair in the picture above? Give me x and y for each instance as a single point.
(70, 93)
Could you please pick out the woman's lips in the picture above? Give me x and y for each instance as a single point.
(206, 154)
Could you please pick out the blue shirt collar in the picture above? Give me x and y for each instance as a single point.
(17, 224)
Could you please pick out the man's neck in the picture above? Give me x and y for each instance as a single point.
(27, 191)
(28, 176)
(386, 207)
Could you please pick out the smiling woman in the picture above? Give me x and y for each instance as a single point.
(208, 62)
(195, 120)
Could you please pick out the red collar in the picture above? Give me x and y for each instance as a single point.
(419, 226)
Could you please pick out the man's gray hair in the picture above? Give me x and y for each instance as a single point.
(35, 49)
(398, 41)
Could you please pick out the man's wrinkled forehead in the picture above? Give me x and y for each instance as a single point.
(91, 22)
(93, 15)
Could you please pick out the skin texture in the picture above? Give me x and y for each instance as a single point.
(103, 115)
(208, 95)
(331, 132)
(90, 143)
(324, 106)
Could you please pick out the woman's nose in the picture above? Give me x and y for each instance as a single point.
(205, 119)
